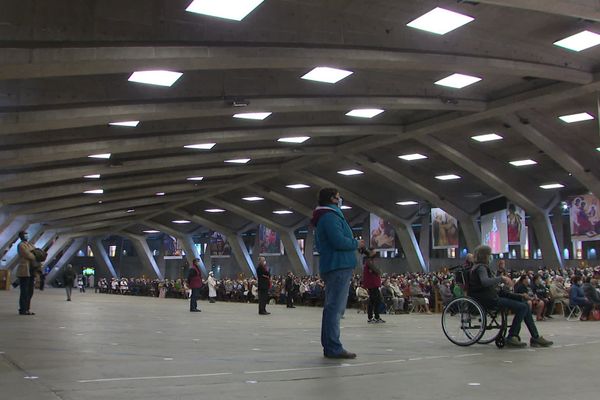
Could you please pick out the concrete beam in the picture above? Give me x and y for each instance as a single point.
(67, 255)
(145, 255)
(11, 231)
(57, 246)
(101, 256)
(583, 9)
(12, 255)
(282, 199)
(114, 215)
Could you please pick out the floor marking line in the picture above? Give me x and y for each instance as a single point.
(292, 369)
(140, 378)
(468, 355)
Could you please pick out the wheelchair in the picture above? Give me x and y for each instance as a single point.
(466, 322)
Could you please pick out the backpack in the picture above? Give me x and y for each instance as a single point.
(462, 275)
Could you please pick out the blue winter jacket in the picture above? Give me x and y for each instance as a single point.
(333, 236)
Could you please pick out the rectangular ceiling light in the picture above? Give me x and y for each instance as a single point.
(201, 146)
(412, 157)
(552, 186)
(252, 198)
(407, 203)
(125, 123)
(489, 137)
(235, 10)
(160, 193)
(151, 231)
(581, 41)
(195, 178)
(522, 163)
(159, 78)
(238, 161)
(440, 21)
(569, 119)
(94, 191)
(364, 112)
(327, 75)
(298, 139)
(181, 221)
(458, 81)
(297, 186)
(214, 210)
(103, 155)
(346, 208)
(95, 176)
(131, 210)
(257, 115)
(349, 172)
(282, 212)
(448, 177)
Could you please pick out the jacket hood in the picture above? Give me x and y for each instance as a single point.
(320, 211)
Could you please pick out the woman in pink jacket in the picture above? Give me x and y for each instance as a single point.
(372, 282)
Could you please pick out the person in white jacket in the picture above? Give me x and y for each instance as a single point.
(212, 287)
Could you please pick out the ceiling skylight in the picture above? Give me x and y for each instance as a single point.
(580, 41)
(235, 10)
(489, 137)
(214, 210)
(201, 146)
(282, 212)
(252, 198)
(552, 186)
(297, 186)
(440, 21)
(448, 177)
(94, 191)
(569, 119)
(522, 163)
(298, 139)
(257, 115)
(458, 81)
(103, 155)
(238, 161)
(350, 172)
(159, 78)
(327, 75)
(125, 123)
(181, 221)
(95, 176)
(407, 203)
(412, 157)
(364, 112)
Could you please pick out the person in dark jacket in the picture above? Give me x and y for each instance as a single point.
(590, 291)
(372, 282)
(577, 298)
(289, 290)
(482, 287)
(69, 276)
(194, 279)
(264, 283)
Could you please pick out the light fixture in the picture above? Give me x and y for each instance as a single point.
(201, 146)
(364, 112)
(195, 178)
(349, 172)
(489, 137)
(458, 81)
(597, 148)
(151, 231)
(257, 115)
(580, 41)
(440, 21)
(181, 221)
(345, 208)
(298, 139)
(159, 77)
(412, 157)
(407, 203)
(327, 75)
(103, 155)
(552, 186)
(214, 210)
(125, 123)
(300, 185)
(95, 176)
(228, 9)
(160, 193)
(130, 211)
(569, 119)
(252, 198)
(238, 161)
(522, 163)
(282, 212)
(448, 177)
(94, 191)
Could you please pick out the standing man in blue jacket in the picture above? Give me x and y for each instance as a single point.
(337, 260)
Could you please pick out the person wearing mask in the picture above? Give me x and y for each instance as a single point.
(26, 269)
(69, 276)
(194, 279)
(212, 287)
(264, 284)
(289, 290)
(590, 290)
(577, 298)
(372, 282)
(337, 248)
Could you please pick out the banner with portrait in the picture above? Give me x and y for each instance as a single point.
(515, 221)
(219, 245)
(584, 218)
(171, 248)
(444, 230)
(269, 242)
(381, 233)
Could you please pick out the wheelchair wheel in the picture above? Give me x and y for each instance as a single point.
(500, 341)
(463, 321)
(495, 327)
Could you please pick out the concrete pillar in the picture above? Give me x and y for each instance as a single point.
(425, 238)
(241, 254)
(294, 253)
(12, 255)
(547, 240)
(470, 229)
(11, 230)
(557, 224)
(56, 247)
(65, 258)
(309, 244)
(145, 255)
(407, 238)
(207, 259)
(101, 256)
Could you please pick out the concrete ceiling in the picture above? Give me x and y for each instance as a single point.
(63, 77)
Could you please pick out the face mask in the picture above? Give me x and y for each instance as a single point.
(26, 237)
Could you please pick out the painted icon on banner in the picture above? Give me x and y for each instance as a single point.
(219, 245)
(444, 230)
(584, 218)
(269, 241)
(382, 234)
(515, 220)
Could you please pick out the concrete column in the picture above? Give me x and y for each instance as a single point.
(470, 229)
(145, 255)
(101, 256)
(407, 238)
(425, 238)
(557, 224)
(58, 246)
(11, 231)
(308, 249)
(294, 253)
(65, 258)
(547, 240)
(207, 259)
(12, 255)
(238, 247)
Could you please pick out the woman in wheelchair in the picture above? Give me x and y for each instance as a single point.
(483, 287)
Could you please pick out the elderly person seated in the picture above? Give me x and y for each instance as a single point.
(417, 297)
(590, 290)
(577, 298)
(558, 293)
(362, 296)
(392, 296)
(445, 292)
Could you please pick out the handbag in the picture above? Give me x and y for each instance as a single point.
(595, 315)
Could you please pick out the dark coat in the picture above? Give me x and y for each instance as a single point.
(264, 278)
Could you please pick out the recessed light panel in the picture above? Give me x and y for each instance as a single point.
(195, 178)
(297, 186)
(282, 212)
(201, 146)
(131, 210)
(125, 123)
(412, 157)
(151, 231)
(489, 137)
(569, 119)
(257, 116)
(448, 177)
(103, 156)
(350, 172)
(238, 161)
(458, 81)
(252, 198)
(159, 78)
(364, 112)
(346, 208)
(94, 191)
(228, 9)
(214, 210)
(407, 203)
(181, 221)
(440, 21)
(298, 139)
(95, 176)
(327, 75)
(160, 193)
(552, 186)
(522, 163)
(581, 41)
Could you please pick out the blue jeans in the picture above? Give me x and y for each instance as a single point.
(522, 312)
(194, 299)
(337, 284)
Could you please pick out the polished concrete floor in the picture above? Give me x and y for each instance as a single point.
(119, 347)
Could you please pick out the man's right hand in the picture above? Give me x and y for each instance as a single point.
(361, 244)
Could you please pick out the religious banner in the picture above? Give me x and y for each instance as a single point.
(584, 218)
(444, 230)
(515, 220)
(269, 242)
(381, 233)
(219, 246)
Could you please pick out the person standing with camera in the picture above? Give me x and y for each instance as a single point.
(26, 270)
(372, 282)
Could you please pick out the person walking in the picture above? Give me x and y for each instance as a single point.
(68, 279)
(264, 284)
(26, 269)
(372, 282)
(194, 279)
(337, 249)
(212, 287)
(289, 290)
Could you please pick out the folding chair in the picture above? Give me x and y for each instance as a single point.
(574, 312)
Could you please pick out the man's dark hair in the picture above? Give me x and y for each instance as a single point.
(22, 235)
(325, 195)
